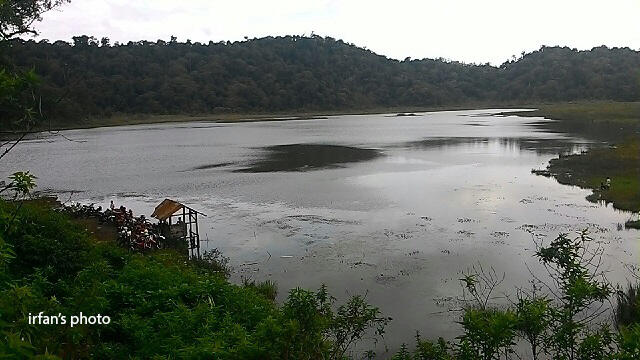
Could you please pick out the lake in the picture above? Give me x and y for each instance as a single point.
(392, 207)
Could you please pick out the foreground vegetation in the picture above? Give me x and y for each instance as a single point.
(615, 123)
(163, 306)
(160, 305)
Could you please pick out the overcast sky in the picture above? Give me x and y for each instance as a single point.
(466, 30)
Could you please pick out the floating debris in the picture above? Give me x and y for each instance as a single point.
(467, 220)
(466, 233)
(499, 234)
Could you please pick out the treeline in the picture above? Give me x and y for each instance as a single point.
(93, 78)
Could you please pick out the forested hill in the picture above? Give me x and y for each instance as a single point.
(278, 74)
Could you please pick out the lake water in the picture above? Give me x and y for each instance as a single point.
(394, 207)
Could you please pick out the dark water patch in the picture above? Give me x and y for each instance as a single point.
(212, 166)
(304, 157)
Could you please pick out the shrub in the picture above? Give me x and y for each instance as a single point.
(563, 324)
(627, 310)
(43, 239)
(161, 305)
(267, 288)
(213, 261)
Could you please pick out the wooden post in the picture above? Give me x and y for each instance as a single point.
(197, 235)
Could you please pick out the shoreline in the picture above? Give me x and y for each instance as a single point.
(537, 110)
(616, 124)
(232, 118)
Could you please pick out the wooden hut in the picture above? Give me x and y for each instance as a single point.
(179, 223)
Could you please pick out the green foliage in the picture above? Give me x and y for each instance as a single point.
(596, 345)
(573, 266)
(213, 261)
(267, 288)
(612, 122)
(18, 16)
(19, 104)
(160, 305)
(6, 256)
(21, 184)
(628, 306)
(532, 320)
(563, 323)
(298, 73)
(488, 332)
(351, 322)
(621, 163)
(44, 240)
(629, 343)
(427, 350)
(402, 354)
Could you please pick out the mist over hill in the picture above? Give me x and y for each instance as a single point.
(93, 78)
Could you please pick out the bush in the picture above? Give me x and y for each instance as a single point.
(43, 239)
(160, 304)
(214, 262)
(267, 288)
(561, 324)
(628, 306)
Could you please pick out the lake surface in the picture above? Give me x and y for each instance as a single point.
(394, 207)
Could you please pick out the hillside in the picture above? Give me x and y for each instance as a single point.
(92, 78)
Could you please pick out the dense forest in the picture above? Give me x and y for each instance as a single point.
(94, 78)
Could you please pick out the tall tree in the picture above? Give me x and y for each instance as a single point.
(20, 107)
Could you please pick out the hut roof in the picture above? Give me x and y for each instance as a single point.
(166, 208)
(169, 207)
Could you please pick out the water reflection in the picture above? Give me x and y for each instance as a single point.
(302, 157)
(541, 146)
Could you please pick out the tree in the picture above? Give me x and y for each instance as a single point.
(17, 16)
(20, 105)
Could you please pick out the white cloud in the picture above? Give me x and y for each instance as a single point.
(466, 30)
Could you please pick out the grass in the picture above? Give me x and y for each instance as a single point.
(615, 123)
(621, 163)
(601, 121)
(590, 111)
